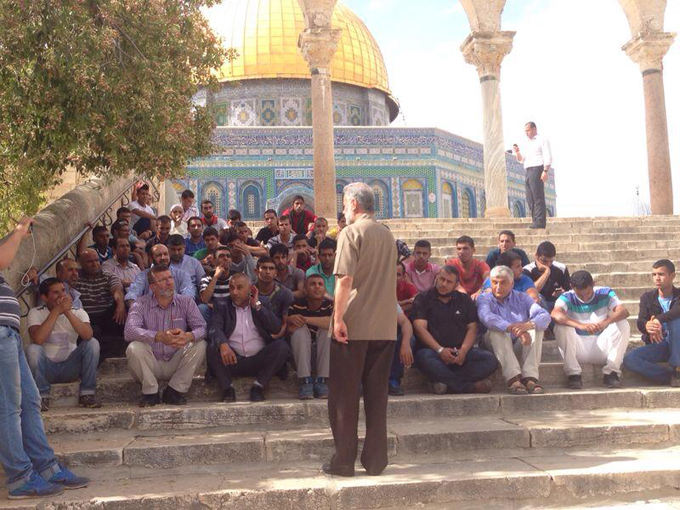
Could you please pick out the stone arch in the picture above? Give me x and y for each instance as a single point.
(550, 211)
(413, 198)
(214, 192)
(468, 207)
(339, 187)
(285, 197)
(251, 201)
(381, 199)
(449, 200)
(518, 209)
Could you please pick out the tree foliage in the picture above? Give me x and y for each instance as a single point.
(104, 86)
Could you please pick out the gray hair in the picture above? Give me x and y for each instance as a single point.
(502, 272)
(362, 193)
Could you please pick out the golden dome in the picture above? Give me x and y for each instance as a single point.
(265, 35)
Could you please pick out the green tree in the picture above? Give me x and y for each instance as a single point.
(104, 86)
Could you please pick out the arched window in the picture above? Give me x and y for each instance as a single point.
(213, 192)
(482, 204)
(380, 199)
(338, 196)
(466, 202)
(447, 201)
(413, 198)
(550, 212)
(517, 210)
(251, 202)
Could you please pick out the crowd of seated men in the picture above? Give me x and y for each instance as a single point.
(176, 293)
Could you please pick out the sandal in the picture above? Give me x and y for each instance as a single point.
(533, 386)
(517, 388)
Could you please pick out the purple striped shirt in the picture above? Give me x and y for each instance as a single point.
(146, 318)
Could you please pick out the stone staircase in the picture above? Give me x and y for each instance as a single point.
(556, 450)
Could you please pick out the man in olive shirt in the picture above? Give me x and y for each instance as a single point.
(363, 345)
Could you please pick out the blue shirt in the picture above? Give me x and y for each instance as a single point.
(516, 307)
(665, 306)
(192, 267)
(521, 285)
(140, 286)
(190, 248)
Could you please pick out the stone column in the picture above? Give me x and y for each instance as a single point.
(485, 48)
(318, 43)
(647, 48)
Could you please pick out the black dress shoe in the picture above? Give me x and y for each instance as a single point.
(283, 372)
(229, 395)
(256, 393)
(150, 400)
(328, 469)
(173, 397)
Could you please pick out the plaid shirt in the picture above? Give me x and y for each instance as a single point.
(146, 318)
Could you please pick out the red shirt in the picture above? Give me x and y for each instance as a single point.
(405, 290)
(300, 221)
(473, 278)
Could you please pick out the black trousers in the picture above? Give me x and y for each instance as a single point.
(535, 191)
(359, 362)
(263, 365)
(109, 334)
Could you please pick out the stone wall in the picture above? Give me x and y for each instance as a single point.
(61, 221)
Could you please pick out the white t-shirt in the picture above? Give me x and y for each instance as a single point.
(135, 205)
(63, 339)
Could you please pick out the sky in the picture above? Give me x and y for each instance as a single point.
(566, 72)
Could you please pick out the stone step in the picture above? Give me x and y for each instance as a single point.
(423, 436)
(522, 232)
(489, 239)
(626, 246)
(539, 477)
(278, 413)
(121, 388)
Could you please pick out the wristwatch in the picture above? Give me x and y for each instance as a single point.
(258, 305)
(440, 350)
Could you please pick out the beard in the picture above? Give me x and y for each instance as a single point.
(350, 215)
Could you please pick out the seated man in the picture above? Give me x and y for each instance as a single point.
(165, 332)
(271, 227)
(195, 241)
(141, 212)
(188, 205)
(522, 282)
(233, 215)
(120, 264)
(591, 327)
(316, 236)
(241, 340)
(205, 255)
(335, 231)
(180, 260)
(445, 323)
(421, 273)
(550, 277)
(658, 323)
(161, 233)
(285, 236)
(301, 219)
(308, 320)
(302, 256)
(215, 286)
(121, 228)
(515, 327)
(210, 219)
(241, 259)
(280, 298)
(178, 225)
(141, 284)
(102, 298)
(506, 243)
(325, 266)
(290, 277)
(54, 356)
(406, 291)
(472, 272)
(249, 244)
(100, 237)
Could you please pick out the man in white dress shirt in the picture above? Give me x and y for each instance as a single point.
(537, 160)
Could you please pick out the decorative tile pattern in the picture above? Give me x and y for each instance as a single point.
(267, 112)
(242, 113)
(291, 112)
(355, 115)
(339, 113)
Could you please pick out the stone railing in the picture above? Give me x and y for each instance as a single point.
(58, 227)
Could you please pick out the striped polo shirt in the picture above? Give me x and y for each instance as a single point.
(599, 307)
(221, 291)
(96, 293)
(10, 311)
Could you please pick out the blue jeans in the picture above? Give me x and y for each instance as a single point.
(23, 444)
(478, 365)
(645, 359)
(81, 363)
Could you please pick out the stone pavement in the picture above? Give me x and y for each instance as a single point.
(565, 449)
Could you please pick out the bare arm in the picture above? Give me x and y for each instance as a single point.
(343, 287)
(561, 318)
(40, 334)
(83, 329)
(9, 248)
(542, 280)
(319, 322)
